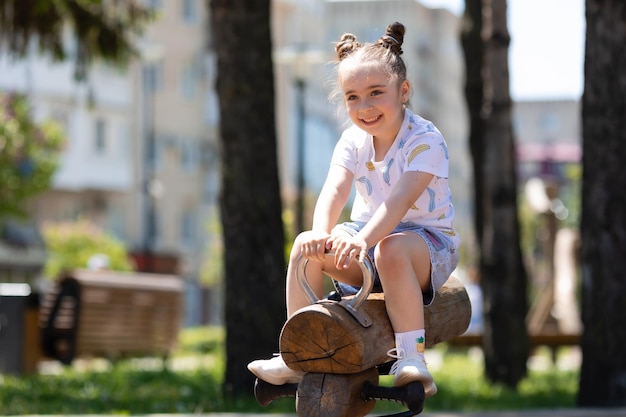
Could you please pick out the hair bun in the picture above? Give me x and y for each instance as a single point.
(394, 37)
(346, 45)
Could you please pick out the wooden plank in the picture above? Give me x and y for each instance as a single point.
(129, 280)
(552, 340)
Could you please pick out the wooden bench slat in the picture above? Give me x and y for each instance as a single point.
(552, 340)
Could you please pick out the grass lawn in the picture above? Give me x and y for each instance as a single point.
(191, 383)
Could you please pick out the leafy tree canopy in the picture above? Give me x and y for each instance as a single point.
(28, 154)
(102, 28)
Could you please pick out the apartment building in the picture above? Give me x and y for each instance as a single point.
(140, 159)
(548, 129)
(178, 145)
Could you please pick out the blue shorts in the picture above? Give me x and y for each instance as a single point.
(443, 257)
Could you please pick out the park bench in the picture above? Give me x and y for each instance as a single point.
(111, 314)
(551, 340)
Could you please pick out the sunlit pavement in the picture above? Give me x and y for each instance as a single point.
(545, 413)
(621, 412)
(584, 412)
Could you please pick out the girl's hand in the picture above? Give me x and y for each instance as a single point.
(347, 249)
(313, 245)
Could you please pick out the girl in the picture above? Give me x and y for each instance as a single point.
(402, 216)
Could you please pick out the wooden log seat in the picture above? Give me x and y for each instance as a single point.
(325, 338)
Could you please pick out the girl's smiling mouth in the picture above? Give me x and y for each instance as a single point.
(371, 120)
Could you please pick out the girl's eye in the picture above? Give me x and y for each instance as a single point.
(351, 97)
(377, 92)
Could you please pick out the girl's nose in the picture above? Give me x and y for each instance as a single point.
(365, 106)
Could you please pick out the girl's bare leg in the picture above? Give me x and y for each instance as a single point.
(403, 263)
(275, 370)
(315, 271)
(296, 298)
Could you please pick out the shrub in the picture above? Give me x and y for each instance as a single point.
(71, 245)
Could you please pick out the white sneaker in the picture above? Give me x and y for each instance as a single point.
(275, 371)
(409, 369)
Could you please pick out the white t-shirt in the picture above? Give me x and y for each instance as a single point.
(419, 146)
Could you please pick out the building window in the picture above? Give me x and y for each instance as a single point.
(100, 140)
(190, 80)
(210, 188)
(189, 11)
(188, 156)
(188, 228)
(155, 150)
(153, 76)
(122, 147)
(549, 122)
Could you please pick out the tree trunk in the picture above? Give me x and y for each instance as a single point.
(603, 222)
(250, 202)
(502, 273)
(503, 277)
(474, 53)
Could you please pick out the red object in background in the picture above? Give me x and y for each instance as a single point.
(158, 263)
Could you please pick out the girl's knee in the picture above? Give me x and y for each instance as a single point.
(296, 248)
(397, 254)
(390, 250)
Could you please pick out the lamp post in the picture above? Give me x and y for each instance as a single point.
(149, 168)
(300, 85)
(300, 59)
(152, 187)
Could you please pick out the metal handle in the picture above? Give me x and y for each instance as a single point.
(367, 268)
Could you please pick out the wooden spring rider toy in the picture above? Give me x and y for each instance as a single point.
(341, 344)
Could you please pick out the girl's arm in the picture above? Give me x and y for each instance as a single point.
(408, 189)
(332, 198)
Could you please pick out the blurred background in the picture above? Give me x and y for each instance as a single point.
(137, 176)
(140, 160)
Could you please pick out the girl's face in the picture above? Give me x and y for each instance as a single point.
(374, 99)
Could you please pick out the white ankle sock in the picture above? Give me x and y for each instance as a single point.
(413, 343)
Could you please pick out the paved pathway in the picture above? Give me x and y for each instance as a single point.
(588, 412)
(607, 412)
(538, 413)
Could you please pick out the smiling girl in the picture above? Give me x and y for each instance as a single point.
(402, 216)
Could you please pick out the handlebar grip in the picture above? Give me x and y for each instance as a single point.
(367, 268)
